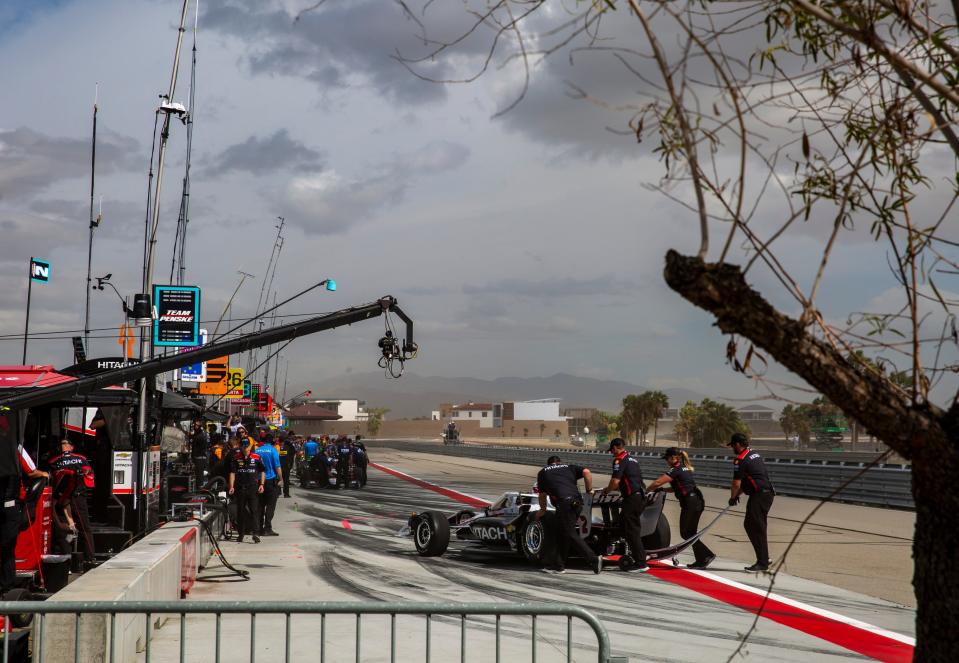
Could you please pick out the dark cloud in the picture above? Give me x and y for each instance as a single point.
(329, 203)
(345, 44)
(31, 161)
(261, 156)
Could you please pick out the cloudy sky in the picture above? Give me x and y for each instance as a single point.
(523, 244)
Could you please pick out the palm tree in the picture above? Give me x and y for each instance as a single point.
(658, 402)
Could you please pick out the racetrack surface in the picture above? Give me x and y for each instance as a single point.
(341, 545)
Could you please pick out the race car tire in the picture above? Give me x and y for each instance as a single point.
(19, 619)
(431, 533)
(660, 537)
(532, 540)
(626, 562)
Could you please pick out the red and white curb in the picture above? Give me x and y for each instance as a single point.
(846, 632)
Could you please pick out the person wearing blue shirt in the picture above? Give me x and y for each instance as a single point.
(310, 448)
(273, 481)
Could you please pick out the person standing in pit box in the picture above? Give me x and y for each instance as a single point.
(750, 477)
(72, 480)
(246, 485)
(199, 453)
(270, 457)
(628, 480)
(558, 481)
(287, 454)
(680, 479)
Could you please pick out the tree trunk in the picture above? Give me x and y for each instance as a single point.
(655, 432)
(935, 551)
(919, 431)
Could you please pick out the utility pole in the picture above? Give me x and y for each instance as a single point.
(94, 222)
(26, 325)
(146, 348)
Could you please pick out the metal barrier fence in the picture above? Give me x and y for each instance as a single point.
(104, 614)
(887, 485)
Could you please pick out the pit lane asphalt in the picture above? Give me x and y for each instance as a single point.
(341, 545)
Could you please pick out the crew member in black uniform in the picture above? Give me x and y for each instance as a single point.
(72, 479)
(246, 484)
(287, 452)
(679, 476)
(558, 481)
(750, 477)
(199, 453)
(628, 480)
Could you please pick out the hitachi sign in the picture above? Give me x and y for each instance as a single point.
(106, 365)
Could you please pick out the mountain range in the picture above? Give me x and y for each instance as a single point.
(414, 395)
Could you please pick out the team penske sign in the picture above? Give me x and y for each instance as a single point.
(178, 316)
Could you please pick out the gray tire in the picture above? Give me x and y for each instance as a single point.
(659, 538)
(533, 540)
(431, 533)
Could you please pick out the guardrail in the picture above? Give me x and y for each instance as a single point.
(152, 610)
(886, 485)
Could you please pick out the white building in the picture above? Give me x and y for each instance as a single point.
(484, 413)
(542, 409)
(350, 409)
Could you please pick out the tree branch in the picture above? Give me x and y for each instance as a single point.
(884, 410)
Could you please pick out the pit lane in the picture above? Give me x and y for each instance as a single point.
(341, 545)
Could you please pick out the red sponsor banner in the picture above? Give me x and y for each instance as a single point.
(189, 543)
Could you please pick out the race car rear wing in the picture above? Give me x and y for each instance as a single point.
(53, 393)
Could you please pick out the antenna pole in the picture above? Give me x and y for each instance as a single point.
(94, 222)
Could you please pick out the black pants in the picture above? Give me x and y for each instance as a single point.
(692, 509)
(566, 532)
(247, 511)
(286, 467)
(757, 508)
(631, 515)
(9, 530)
(268, 504)
(200, 466)
(81, 517)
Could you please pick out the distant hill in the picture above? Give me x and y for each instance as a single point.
(416, 396)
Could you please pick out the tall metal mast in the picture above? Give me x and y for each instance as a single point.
(94, 222)
(179, 246)
(168, 108)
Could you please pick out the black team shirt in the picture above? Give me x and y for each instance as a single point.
(559, 481)
(247, 470)
(682, 482)
(626, 469)
(749, 468)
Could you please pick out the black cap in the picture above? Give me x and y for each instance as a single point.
(616, 442)
(671, 451)
(737, 438)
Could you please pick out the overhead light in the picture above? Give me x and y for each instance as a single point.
(331, 285)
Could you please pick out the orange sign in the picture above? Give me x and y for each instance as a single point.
(217, 374)
(126, 340)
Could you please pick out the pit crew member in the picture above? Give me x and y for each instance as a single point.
(628, 480)
(558, 481)
(750, 477)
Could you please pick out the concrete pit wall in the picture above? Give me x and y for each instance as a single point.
(155, 568)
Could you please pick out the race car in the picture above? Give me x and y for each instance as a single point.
(509, 524)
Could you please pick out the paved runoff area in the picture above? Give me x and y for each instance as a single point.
(844, 595)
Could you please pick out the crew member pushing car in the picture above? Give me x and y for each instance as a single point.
(628, 480)
(558, 481)
(246, 484)
(750, 477)
(679, 476)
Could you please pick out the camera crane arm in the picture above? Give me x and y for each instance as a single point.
(147, 369)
